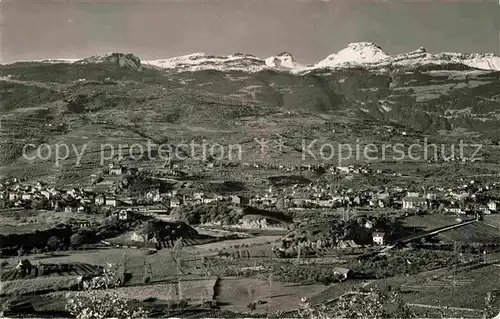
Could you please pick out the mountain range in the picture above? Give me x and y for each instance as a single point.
(355, 93)
(364, 54)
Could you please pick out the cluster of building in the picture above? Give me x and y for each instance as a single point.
(465, 199)
(16, 193)
(470, 197)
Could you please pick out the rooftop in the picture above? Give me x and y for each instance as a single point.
(414, 199)
(341, 270)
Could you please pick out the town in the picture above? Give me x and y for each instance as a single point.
(203, 174)
(109, 194)
(300, 218)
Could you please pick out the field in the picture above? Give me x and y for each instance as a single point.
(193, 291)
(236, 293)
(492, 220)
(98, 256)
(428, 222)
(162, 264)
(74, 269)
(22, 228)
(435, 291)
(336, 290)
(477, 232)
(125, 240)
(233, 293)
(232, 244)
(466, 289)
(37, 285)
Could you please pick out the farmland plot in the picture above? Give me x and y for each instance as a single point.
(466, 289)
(477, 232)
(38, 285)
(191, 290)
(237, 293)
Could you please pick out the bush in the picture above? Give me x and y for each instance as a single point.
(183, 304)
(371, 304)
(252, 306)
(212, 212)
(93, 303)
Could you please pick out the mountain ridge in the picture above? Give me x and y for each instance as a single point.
(357, 54)
(109, 100)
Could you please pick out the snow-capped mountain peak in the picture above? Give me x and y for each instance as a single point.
(283, 60)
(354, 53)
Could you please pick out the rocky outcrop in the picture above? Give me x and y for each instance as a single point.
(124, 60)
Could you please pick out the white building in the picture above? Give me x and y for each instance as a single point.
(454, 210)
(111, 202)
(46, 194)
(100, 200)
(342, 273)
(378, 238)
(412, 202)
(175, 202)
(492, 206)
(124, 214)
(115, 170)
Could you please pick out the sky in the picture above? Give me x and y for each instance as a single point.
(308, 29)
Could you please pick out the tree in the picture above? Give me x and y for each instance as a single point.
(177, 256)
(76, 240)
(53, 243)
(490, 310)
(40, 203)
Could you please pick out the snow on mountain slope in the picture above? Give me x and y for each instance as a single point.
(419, 57)
(59, 61)
(362, 54)
(365, 54)
(203, 61)
(51, 61)
(355, 53)
(482, 61)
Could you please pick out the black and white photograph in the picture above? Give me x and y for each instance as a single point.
(311, 159)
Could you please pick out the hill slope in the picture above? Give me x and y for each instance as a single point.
(116, 99)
